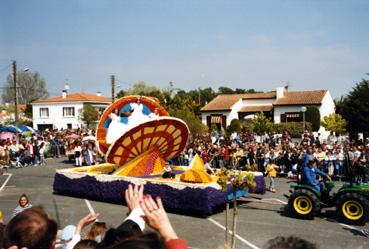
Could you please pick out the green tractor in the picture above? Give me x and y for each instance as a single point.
(351, 201)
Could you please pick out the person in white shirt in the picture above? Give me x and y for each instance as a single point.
(329, 160)
(155, 114)
(116, 128)
(339, 158)
(78, 154)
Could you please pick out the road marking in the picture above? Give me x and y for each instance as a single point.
(89, 206)
(351, 227)
(237, 236)
(6, 181)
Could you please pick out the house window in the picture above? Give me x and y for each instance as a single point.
(68, 111)
(44, 112)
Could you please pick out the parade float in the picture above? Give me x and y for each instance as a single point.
(137, 137)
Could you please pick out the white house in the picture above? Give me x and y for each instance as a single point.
(280, 105)
(63, 111)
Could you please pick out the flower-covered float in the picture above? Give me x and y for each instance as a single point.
(137, 136)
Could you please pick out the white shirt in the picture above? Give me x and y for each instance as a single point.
(136, 216)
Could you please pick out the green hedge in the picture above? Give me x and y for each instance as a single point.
(294, 129)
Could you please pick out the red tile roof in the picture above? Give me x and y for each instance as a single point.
(225, 102)
(256, 108)
(267, 95)
(301, 98)
(75, 97)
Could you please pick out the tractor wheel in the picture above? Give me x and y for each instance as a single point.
(304, 204)
(353, 209)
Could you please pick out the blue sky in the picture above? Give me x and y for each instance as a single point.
(243, 44)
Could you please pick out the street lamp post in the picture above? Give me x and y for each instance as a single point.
(303, 109)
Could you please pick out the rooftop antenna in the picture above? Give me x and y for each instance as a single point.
(66, 85)
(288, 84)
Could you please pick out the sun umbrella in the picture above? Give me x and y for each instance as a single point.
(73, 136)
(25, 128)
(89, 138)
(5, 135)
(10, 128)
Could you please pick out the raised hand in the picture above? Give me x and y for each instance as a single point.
(85, 221)
(157, 218)
(133, 196)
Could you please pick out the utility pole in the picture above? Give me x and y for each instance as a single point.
(15, 93)
(199, 96)
(113, 88)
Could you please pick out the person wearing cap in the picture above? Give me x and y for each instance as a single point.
(309, 176)
(66, 236)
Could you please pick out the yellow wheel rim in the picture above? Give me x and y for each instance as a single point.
(352, 210)
(302, 205)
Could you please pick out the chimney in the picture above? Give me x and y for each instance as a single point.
(64, 94)
(280, 92)
(98, 94)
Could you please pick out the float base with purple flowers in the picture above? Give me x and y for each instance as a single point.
(96, 183)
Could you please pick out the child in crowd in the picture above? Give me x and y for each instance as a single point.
(272, 173)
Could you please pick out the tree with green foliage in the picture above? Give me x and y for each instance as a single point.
(28, 111)
(354, 107)
(89, 115)
(31, 86)
(239, 90)
(200, 96)
(225, 90)
(192, 121)
(141, 88)
(261, 123)
(312, 115)
(334, 123)
(183, 107)
(234, 126)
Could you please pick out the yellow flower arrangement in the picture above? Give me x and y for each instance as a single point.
(195, 176)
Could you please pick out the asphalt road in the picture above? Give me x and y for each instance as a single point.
(257, 223)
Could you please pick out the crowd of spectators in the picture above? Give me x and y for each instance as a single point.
(241, 150)
(252, 152)
(31, 150)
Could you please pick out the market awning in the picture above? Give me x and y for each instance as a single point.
(292, 115)
(216, 119)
